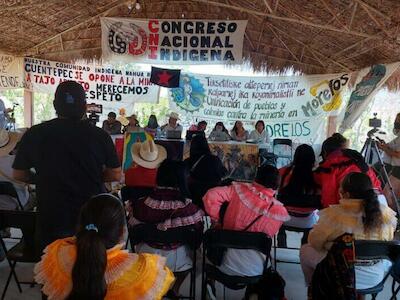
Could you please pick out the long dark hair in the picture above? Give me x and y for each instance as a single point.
(268, 176)
(301, 181)
(235, 127)
(101, 226)
(152, 123)
(359, 186)
(223, 127)
(171, 174)
(198, 147)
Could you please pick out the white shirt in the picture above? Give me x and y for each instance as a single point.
(259, 137)
(395, 146)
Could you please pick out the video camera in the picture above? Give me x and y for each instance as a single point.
(94, 111)
(375, 123)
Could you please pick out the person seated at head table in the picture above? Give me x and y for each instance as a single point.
(219, 133)
(172, 124)
(260, 134)
(152, 126)
(238, 133)
(168, 208)
(201, 126)
(93, 265)
(247, 203)
(359, 213)
(122, 117)
(298, 181)
(133, 125)
(205, 170)
(111, 125)
(146, 157)
(336, 163)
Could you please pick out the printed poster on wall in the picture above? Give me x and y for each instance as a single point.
(11, 72)
(113, 88)
(158, 41)
(294, 107)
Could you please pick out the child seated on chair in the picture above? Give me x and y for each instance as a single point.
(92, 265)
(168, 208)
(247, 204)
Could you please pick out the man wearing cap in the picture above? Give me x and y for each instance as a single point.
(71, 158)
(172, 123)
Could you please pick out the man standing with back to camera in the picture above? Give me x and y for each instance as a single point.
(72, 159)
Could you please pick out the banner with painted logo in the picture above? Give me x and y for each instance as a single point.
(368, 82)
(113, 88)
(172, 41)
(11, 72)
(295, 107)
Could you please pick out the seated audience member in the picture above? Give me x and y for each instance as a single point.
(111, 125)
(205, 169)
(299, 192)
(172, 124)
(201, 126)
(219, 133)
(133, 125)
(259, 134)
(238, 133)
(337, 163)
(247, 204)
(168, 208)
(152, 126)
(8, 144)
(146, 157)
(92, 265)
(122, 117)
(359, 213)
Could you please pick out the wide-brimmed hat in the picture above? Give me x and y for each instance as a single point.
(148, 154)
(8, 141)
(174, 115)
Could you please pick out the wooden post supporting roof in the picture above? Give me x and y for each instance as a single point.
(28, 108)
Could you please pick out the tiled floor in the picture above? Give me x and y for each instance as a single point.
(295, 288)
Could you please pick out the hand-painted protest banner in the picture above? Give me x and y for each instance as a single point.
(294, 107)
(11, 72)
(172, 41)
(368, 82)
(113, 88)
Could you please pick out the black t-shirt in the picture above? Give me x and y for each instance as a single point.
(69, 158)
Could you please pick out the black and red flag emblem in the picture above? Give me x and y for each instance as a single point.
(165, 77)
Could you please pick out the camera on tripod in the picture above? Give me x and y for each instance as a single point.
(375, 122)
(94, 111)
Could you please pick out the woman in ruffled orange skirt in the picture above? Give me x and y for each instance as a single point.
(93, 265)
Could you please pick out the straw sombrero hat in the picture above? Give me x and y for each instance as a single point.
(8, 141)
(148, 154)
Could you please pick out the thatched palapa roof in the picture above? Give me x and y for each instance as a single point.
(316, 36)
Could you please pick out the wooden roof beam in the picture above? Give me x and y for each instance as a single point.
(335, 15)
(114, 5)
(353, 13)
(375, 20)
(362, 3)
(268, 7)
(337, 54)
(283, 43)
(290, 20)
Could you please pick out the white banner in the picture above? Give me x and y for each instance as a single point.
(294, 107)
(368, 82)
(172, 41)
(11, 72)
(113, 88)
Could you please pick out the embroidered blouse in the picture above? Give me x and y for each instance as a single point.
(128, 276)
